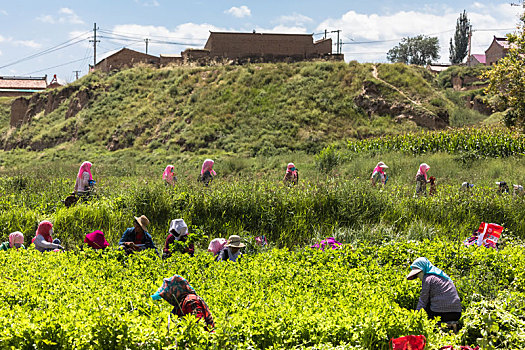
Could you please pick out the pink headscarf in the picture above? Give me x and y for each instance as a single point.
(216, 245)
(86, 166)
(207, 166)
(16, 237)
(379, 168)
(44, 229)
(289, 169)
(168, 173)
(423, 168)
(96, 240)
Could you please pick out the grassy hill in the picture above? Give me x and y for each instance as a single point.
(251, 110)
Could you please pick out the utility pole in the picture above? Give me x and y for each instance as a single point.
(76, 73)
(94, 41)
(337, 31)
(146, 41)
(325, 31)
(469, 41)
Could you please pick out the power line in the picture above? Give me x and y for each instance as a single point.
(59, 65)
(46, 51)
(430, 34)
(136, 36)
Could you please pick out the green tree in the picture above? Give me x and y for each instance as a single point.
(458, 48)
(507, 80)
(418, 50)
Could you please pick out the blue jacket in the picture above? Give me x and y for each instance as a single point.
(129, 236)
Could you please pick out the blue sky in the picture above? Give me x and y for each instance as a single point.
(369, 28)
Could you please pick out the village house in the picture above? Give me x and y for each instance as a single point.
(266, 46)
(476, 59)
(21, 86)
(125, 58)
(496, 51)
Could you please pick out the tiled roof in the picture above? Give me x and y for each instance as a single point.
(23, 83)
(480, 57)
(503, 42)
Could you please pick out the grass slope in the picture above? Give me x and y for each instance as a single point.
(262, 109)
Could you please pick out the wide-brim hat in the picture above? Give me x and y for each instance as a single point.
(413, 273)
(235, 242)
(142, 221)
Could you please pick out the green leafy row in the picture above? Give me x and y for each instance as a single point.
(496, 143)
(350, 298)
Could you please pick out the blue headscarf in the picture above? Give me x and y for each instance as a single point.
(428, 269)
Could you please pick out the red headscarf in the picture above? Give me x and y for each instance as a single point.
(86, 166)
(44, 229)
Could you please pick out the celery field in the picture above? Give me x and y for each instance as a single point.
(284, 295)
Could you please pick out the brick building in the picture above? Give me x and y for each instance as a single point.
(476, 59)
(266, 46)
(170, 59)
(496, 51)
(125, 58)
(21, 86)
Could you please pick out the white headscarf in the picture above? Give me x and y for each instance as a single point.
(178, 228)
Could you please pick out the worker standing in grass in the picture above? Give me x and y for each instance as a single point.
(169, 175)
(16, 240)
(378, 175)
(421, 180)
(180, 294)
(439, 297)
(84, 178)
(207, 172)
(291, 177)
(137, 238)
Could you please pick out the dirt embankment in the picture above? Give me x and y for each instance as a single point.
(23, 110)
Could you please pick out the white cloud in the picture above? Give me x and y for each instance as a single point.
(162, 39)
(283, 29)
(239, 12)
(295, 18)
(4, 12)
(382, 32)
(27, 43)
(148, 3)
(65, 16)
(1, 38)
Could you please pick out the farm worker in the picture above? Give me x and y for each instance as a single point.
(137, 238)
(43, 239)
(16, 240)
(180, 294)
(438, 294)
(518, 190)
(96, 240)
(503, 187)
(178, 231)
(421, 179)
(84, 178)
(169, 175)
(207, 172)
(216, 245)
(232, 249)
(379, 175)
(291, 176)
(466, 186)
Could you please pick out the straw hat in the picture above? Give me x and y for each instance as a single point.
(413, 273)
(235, 242)
(142, 221)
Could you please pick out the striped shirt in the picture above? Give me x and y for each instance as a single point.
(440, 294)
